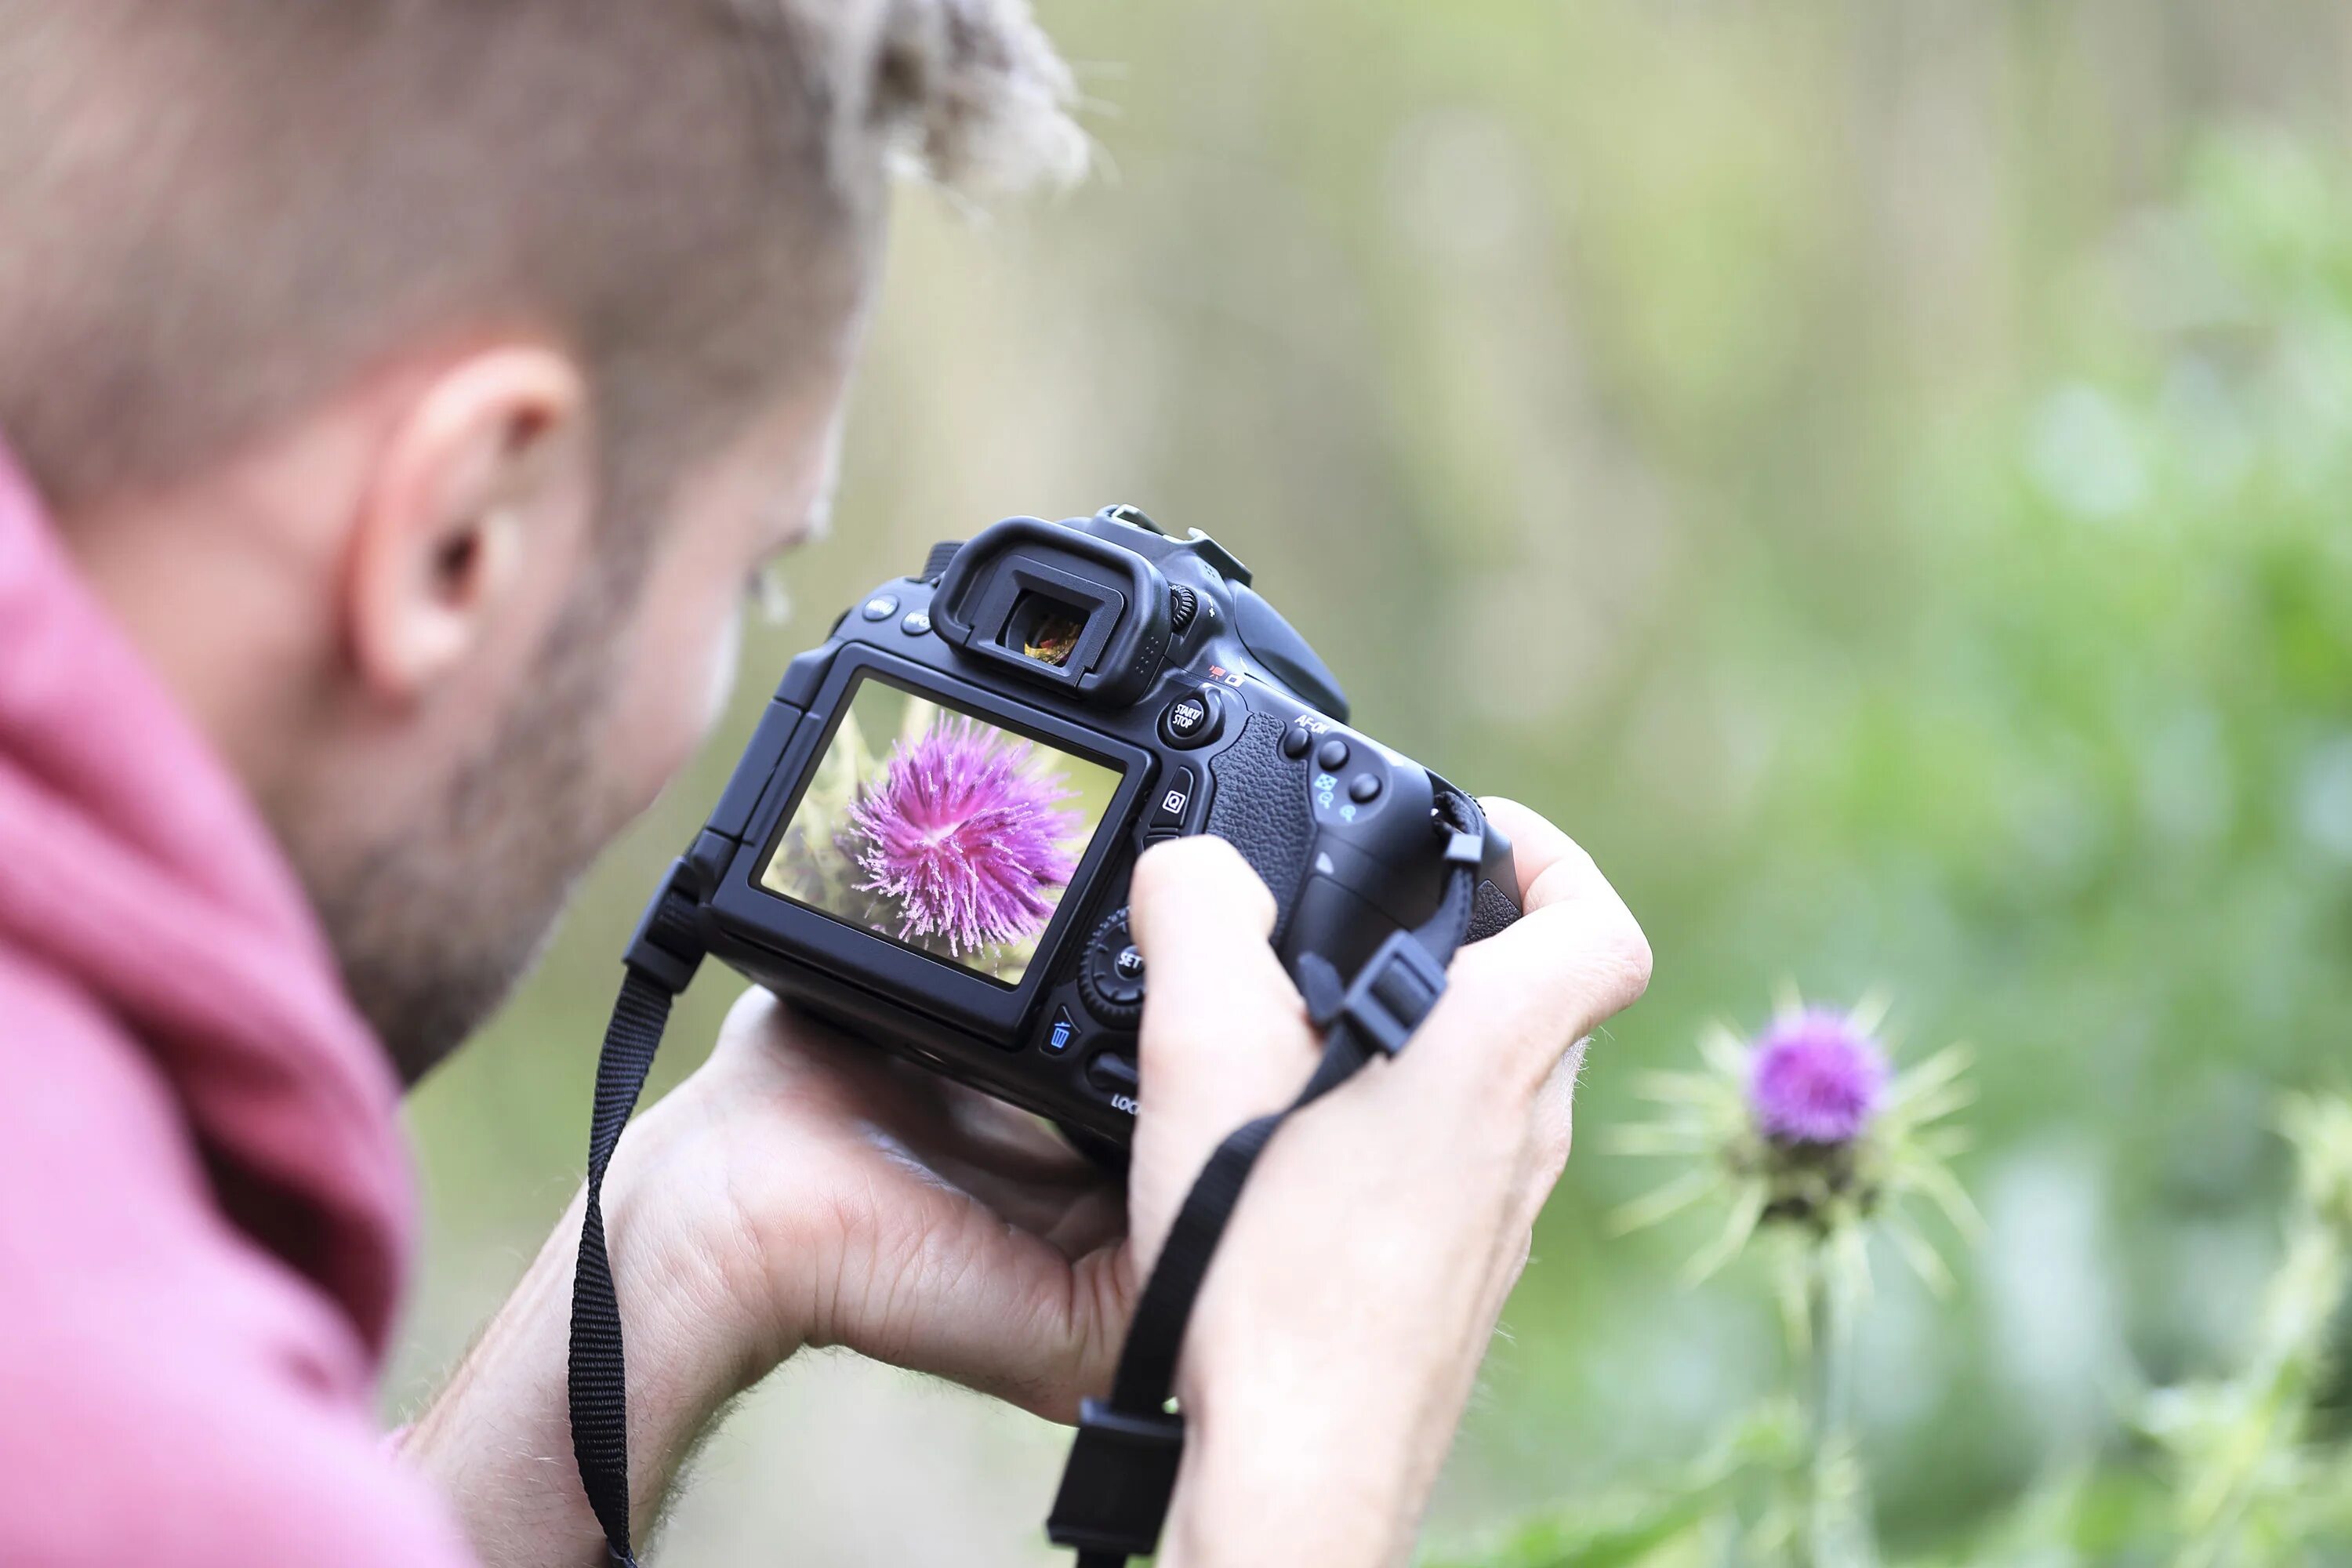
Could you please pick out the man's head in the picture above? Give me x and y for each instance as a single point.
(420, 381)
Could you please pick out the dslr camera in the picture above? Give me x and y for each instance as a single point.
(929, 839)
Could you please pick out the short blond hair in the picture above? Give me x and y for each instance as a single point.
(217, 210)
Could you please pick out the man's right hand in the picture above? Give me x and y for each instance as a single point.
(1343, 1321)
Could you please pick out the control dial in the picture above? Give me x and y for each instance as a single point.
(1111, 975)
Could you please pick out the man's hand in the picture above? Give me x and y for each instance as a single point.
(845, 1197)
(1342, 1323)
(801, 1189)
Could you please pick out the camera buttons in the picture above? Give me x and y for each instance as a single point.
(1332, 756)
(917, 624)
(1175, 804)
(1194, 719)
(1114, 1075)
(1111, 975)
(1062, 1035)
(880, 607)
(1364, 788)
(1297, 741)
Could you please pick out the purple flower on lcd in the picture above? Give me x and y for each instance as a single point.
(1815, 1078)
(965, 837)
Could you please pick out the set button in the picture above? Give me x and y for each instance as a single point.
(1111, 974)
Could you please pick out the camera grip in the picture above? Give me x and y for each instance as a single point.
(1260, 809)
(1490, 910)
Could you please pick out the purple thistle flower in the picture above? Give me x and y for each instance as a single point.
(963, 838)
(1815, 1078)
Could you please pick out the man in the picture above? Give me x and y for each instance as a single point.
(400, 393)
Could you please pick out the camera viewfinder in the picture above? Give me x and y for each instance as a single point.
(1045, 629)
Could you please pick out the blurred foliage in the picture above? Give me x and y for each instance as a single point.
(2255, 1481)
(1876, 473)
(2238, 1473)
(1695, 1522)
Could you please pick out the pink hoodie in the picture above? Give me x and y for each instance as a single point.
(206, 1209)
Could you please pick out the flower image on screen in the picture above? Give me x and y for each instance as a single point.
(940, 830)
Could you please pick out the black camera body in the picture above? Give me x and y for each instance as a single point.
(929, 839)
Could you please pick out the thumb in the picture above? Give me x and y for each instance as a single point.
(1225, 1036)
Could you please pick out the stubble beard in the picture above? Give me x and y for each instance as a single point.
(434, 926)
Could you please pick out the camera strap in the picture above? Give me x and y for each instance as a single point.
(661, 960)
(1123, 1469)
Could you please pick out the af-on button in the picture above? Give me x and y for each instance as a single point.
(1194, 719)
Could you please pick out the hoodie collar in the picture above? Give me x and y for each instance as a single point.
(133, 865)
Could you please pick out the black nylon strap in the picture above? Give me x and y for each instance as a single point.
(661, 959)
(1123, 1469)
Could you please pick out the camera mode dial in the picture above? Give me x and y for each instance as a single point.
(1111, 975)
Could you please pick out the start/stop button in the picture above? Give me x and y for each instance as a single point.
(1194, 719)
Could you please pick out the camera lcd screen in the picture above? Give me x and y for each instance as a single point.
(940, 830)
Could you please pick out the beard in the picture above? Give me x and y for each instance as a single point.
(434, 926)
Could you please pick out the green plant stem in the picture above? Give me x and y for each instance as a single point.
(1836, 1531)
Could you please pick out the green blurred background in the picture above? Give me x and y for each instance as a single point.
(1877, 472)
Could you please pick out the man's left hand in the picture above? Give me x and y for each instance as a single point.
(798, 1189)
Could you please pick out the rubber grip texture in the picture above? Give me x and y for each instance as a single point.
(1490, 911)
(1260, 809)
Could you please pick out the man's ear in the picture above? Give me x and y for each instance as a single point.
(480, 490)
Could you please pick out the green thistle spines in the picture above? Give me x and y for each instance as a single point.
(1720, 1118)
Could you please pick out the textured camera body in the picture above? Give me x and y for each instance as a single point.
(1098, 650)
